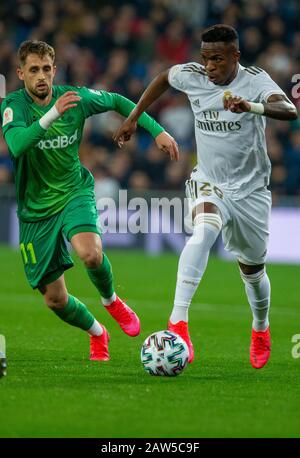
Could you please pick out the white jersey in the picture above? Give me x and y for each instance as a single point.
(231, 147)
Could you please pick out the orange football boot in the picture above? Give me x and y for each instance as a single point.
(125, 317)
(181, 328)
(99, 346)
(260, 348)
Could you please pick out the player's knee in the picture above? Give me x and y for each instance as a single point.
(92, 257)
(253, 276)
(250, 270)
(206, 226)
(56, 300)
(209, 220)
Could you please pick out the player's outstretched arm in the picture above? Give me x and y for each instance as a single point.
(164, 141)
(159, 85)
(21, 139)
(278, 106)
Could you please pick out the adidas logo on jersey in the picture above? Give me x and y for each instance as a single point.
(59, 142)
(196, 103)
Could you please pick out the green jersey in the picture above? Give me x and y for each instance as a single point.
(48, 172)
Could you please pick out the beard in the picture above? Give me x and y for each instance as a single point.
(42, 93)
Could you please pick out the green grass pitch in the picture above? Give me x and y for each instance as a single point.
(53, 390)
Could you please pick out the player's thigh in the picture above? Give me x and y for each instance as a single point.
(248, 234)
(206, 198)
(55, 293)
(81, 227)
(80, 215)
(44, 251)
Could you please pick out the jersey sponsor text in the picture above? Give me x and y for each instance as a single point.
(59, 142)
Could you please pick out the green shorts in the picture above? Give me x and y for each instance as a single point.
(43, 244)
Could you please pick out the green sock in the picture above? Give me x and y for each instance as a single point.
(76, 314)
(102, 277)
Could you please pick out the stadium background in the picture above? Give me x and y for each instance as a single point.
(120, 46)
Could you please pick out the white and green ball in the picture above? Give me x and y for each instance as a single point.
(164, 353)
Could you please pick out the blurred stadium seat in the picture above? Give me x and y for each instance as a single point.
(120, 46)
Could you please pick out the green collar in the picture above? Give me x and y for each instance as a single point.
(30, 99)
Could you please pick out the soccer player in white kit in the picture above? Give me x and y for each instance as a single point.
(228, 187)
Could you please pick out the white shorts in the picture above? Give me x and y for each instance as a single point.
(245, 230)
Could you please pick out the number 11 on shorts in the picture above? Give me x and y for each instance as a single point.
(28, 253)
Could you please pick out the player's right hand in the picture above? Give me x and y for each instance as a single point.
(124, 132)
(235, 103)
(67, 101)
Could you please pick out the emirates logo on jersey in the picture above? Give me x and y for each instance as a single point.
(219, 126)
(211, 123)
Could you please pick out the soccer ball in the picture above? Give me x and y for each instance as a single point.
(164, 353)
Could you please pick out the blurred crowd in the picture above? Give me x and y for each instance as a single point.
(121, 46)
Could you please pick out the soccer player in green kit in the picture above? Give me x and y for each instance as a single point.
(42, 125)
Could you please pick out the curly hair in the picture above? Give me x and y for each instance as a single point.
(220, 32)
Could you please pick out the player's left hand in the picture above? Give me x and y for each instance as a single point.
(236, 104)
(166, 143)
(124, 132)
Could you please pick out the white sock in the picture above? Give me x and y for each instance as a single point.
(106, 302)
(193, 261)
(258, 292)
(96, 329)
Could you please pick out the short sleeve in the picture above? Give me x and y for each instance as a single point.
(175, 77)
(95, 101)
(183, 77)
(263, 86)
(12, 114)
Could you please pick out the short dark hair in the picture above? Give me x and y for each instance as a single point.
(220, 32)
(34, 47)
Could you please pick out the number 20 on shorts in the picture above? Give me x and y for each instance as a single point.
(28, 253)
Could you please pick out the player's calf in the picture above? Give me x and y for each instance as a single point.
(56, 301)
(55, 293)
(258, 291)
(257, 286)
(191, 267)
